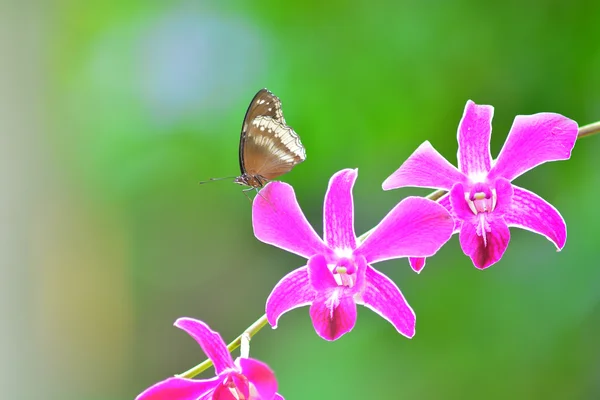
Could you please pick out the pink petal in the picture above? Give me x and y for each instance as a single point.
(339, 211)
(383, 296)
(483, 254)
(260, 375)
(416, 227)
(474, 132)
(534, 140)
(292, 291)
(333, 316)
(417, 263)
(444, 201)
(221, 393)
(460, 207)
(278, 397)
(180, 389)
(278, 220)
(319, 275)
(425, 168)
(211, 342)
(531, 212)
(504, 196)
(242, 385)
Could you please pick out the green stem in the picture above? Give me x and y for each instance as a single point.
(588, 130)
(203, 366)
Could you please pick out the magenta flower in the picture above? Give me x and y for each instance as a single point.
(482, 200)
(339, 274)
(244, 379)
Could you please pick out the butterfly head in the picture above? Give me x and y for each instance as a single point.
(255, 181)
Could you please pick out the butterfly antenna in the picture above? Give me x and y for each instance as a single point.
(215, 179)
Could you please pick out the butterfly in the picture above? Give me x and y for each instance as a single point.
(269, 148)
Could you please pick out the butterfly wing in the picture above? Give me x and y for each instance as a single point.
(266, 104)
(271, 148)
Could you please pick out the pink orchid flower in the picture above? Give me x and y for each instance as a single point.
(481, 198)
(338, 274)
(244, 379)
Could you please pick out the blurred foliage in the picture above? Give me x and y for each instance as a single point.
(128, 104)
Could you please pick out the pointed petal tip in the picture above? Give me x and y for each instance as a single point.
(425, 167)
(417, 263)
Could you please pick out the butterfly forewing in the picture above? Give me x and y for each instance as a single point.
(264, 103)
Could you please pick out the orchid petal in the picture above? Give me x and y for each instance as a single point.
(417, 263)
(474, 132)
(416, 227)
(278, 397)
(211, 342)
(504, 196)
(383, 296)
(333, 314)
(222, 392)
(292, 291)
(278, 220)
(444, 201)
(319, 275)
(531, 212)
(460, 207)
(485, 252)
(534, 140)
(425, 168)
(242, 385)
(180, 389)
(338, 211)
(260, 375)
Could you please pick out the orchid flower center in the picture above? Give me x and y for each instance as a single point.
(344, 272)
(481, 199)
(233, 386)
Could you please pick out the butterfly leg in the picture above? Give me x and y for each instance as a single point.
(245, 191)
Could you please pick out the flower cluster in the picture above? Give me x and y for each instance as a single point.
(481, 204)
(244, 378)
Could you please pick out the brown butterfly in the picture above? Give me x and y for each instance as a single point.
(268, 147)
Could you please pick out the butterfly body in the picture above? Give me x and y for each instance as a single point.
(268, 147)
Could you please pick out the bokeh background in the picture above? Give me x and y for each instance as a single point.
(112, 111)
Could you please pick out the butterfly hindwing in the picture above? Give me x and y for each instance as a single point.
(271, 148)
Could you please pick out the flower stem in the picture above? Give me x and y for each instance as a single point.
(248, 333)
(588, 130)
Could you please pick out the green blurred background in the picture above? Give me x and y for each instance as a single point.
(112, 111)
